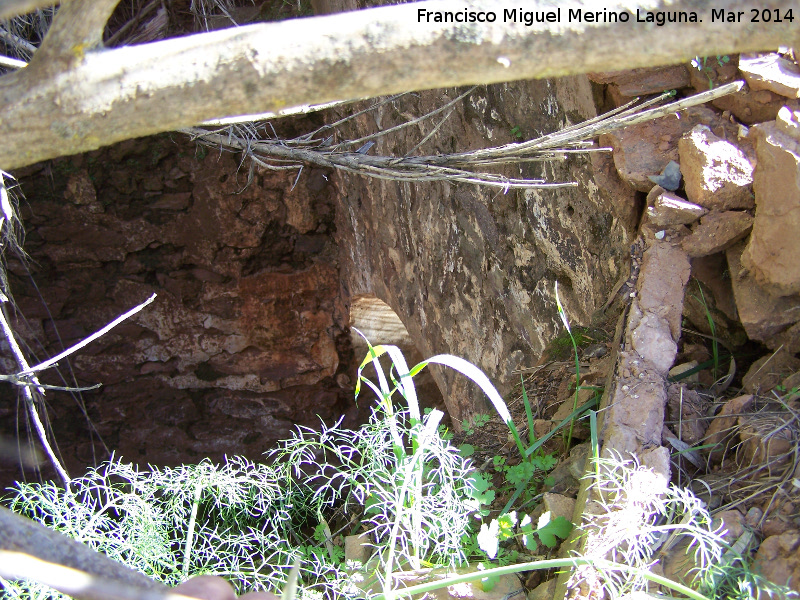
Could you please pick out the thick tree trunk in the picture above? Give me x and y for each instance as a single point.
(106, 96)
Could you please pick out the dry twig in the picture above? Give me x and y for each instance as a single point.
(462, 167)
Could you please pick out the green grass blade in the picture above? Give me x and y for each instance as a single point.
(528, 413)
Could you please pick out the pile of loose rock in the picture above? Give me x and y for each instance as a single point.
(721, 236)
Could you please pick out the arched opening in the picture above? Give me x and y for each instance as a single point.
(380, 325)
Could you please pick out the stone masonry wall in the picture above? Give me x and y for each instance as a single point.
(248, 331)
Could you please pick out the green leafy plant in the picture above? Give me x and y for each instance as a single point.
(507, 526)
(478, 421)
(701, 64)
(233, 520)
(715, 354)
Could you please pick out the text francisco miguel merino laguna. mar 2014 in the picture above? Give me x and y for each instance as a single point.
(580, 15)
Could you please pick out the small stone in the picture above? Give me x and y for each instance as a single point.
(682, 368)
(717, 173)
(174, 201)
(777, 559)
(768, 371)
(753, 517)
(731, 523)
(721, 432)
(558, 505)
(666, 209)
(771, 72)
(717, 232)
(670, 177)
(358, 548)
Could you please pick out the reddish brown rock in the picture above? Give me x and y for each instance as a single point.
(717, 232)
(768, 371)
(712, 272)
(666, 209)
(774, 246)
(751, 107)
(771, 72)
(722, 433)
(248, 331)
(766, 444)
(717, 174)
(778, 559)
(645, 149)
(763, 315)
(651, 80)
(619, 196)
(686, 412)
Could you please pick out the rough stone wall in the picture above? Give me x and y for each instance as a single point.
(470, 270)
(245, 338)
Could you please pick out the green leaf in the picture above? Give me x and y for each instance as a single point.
(478, 490)
(466, 450)
(520, 474)
(544, 462)
(549, 530)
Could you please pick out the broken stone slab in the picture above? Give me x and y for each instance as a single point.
(717, 174)
(774, 245)
(763, 316)
(664, 272)
(666, 209)
(771, 72)
(645, 149)
(650, 80)
(631, 416)
(717, 232)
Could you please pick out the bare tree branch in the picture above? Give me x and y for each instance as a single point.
(446, 167)
(29, 391)
(77, 29)
(88, 340)
(74, 582)
(112, 95)
(21, 535)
